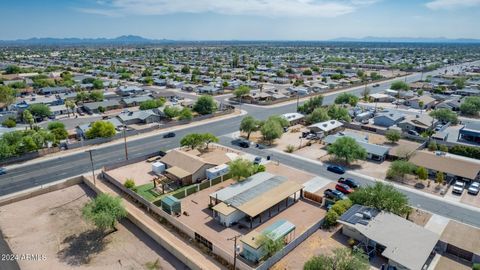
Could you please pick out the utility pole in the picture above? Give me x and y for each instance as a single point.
(234, 250)
(125, 141)
(93, 168)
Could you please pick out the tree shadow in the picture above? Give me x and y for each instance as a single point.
(81, 247)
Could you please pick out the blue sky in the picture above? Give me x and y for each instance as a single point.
(240, 19)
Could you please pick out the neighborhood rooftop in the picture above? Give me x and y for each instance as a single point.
(405, 242)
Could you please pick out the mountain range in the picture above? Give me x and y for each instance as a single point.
(138, 40)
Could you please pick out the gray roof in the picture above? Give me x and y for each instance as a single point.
(129, 88)
(238, 188)
(394, 116)
(250, 194)
(374, 149)
(142, 115)
(472, 126)
(131, 100)
(406, 243)
(116, 123)
(105, 103)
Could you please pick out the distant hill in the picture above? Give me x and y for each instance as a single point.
(121, 40)
(138, 40)
(407, 39)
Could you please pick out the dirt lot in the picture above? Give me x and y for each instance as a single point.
(321, 242)
(141, 172)
(51, 225)
(419, 217)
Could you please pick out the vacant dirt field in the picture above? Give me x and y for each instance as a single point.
(51, 225)
(321, 242)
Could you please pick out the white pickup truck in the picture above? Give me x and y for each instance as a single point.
(458, 187)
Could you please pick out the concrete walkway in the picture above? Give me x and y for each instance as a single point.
(183, 251)
(437, 224)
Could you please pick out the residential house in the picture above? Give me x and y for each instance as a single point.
(470, 132)
(374, 151)
(454, 166)
(418, 122)
(400, 94)
(252, 197)
(379, 97)
(93, 107)
(53, 90)
(139, 117)
(129, 90)
(300, 91)
(82, 129)
(388, 119)
(452, 104)
(293, 118)
(468, 92)
(134, 101)
(403, 243)
(460, 240)
(209, 89)
(185, 168)
(327, 127)
(415, 102)
(58, 109)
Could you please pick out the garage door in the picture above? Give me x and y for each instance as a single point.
(467, 255)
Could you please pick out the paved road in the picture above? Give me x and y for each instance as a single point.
(62, 167)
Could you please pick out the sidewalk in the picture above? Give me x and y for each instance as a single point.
(120, 141)
(183, 251)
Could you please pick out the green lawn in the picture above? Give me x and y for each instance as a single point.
(146, 191)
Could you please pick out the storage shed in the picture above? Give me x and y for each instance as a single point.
(158, 167)
(171, 205)
(252, 242)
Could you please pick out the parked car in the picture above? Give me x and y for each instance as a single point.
(458, 187)
(349, 182)
(241, 143)
(336, 169)
(376, 85)
(343, 188)
(413, 132)
(3, 170)
(244, 144)
(257, 160)
(334, 194)
(474, 188)
(169, 135)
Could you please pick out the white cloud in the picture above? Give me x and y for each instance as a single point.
(268, 8)
(451, 4)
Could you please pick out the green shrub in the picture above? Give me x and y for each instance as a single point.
(9, 123)
(129, 183)
(330, 219)
(290, 148)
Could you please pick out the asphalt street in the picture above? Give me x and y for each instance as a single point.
(48, 171)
